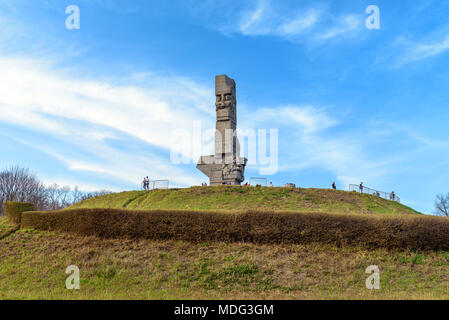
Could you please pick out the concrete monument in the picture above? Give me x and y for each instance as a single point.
(225, 166)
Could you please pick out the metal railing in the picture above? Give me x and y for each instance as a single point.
(380, 194)
(156, 184)
(255, 181)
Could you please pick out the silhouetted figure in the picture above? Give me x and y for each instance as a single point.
(334, 186)
(361, 187)
(392, 196)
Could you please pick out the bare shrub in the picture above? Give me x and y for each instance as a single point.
(20, 185)
(58, 197)
(442, 205)
(94, 194)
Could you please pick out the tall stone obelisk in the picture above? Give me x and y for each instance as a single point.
(225, 166)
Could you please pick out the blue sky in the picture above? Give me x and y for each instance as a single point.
(100, 107)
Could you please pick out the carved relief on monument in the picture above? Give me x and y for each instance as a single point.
(226, 101)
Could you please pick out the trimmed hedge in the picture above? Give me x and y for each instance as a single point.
(405, 232)
(14, 210)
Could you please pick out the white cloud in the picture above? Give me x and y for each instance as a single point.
(311, 138)
(299, 24)
(253, 22)
(263, 20)
(29, 90)
(303, 117)
(344, 25)
(86, 113)
(269, 18)
(415, 51)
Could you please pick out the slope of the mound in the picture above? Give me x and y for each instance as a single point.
(247, 198)
(33, 264)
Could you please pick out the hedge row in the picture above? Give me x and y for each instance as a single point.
(420, 232)
(14, 210)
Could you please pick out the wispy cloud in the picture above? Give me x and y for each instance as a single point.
(304, 24)
(263, 20)
(310, 137)
(87, 114)
(299, 24)
(255, 21)
(415, 51)
(344, 25)
(302, 118)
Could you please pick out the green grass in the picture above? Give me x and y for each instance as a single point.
(6, 228)
(244, 198)
(33, 264)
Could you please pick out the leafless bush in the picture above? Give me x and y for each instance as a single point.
(18, 184)
(88, 195)
(58, 197)
(442, 205)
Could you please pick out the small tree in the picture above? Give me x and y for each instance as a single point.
(442, 205)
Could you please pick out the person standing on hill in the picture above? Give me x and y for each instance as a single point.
(361, 187)
(334, 186)
(148, 183)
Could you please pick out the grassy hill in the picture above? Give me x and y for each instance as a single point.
(33, 266)
(34, 261)
(244, 198)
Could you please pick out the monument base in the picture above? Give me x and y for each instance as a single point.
(222, 173)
